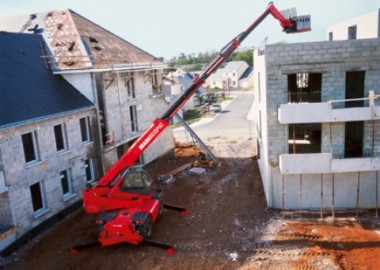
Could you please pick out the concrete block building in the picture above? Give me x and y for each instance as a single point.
(318, 124)
(48, 140)
(116, 87)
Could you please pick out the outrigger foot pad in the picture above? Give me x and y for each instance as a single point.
(76, 249)
(169, 249)
(180, 209)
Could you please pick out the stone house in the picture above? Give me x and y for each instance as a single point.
(120, 82)
(48, 140)
(318, 124)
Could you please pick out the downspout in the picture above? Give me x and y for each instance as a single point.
(120, 106)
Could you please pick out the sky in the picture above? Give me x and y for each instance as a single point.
(167, 28)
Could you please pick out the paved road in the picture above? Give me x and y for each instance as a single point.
(228, 127)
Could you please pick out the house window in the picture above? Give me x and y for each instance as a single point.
(67, 185)
(60, 137)
(130, 85)
(352, 32)
(133, 115)
(331, 36)
(155, 83)
(29, 142)
(38, 198)
(85, 129)
(89, 167)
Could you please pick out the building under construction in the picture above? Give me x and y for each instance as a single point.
(94, 93)
(318, 122)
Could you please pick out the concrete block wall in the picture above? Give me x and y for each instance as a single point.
(148, 108)
(20, 176)
(333, 60)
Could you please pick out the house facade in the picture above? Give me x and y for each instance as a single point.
(122, 80)
(120, 86)
(48, 140)
(234, 75)
(318, 124)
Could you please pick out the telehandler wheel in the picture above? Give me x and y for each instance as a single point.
(145, 229)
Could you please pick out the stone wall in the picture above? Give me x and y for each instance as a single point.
(21, 175)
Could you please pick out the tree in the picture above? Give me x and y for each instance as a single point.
(246, 56)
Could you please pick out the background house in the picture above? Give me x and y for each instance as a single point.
(175, 82)
(317, 119)
(48, 140)
(234, 75)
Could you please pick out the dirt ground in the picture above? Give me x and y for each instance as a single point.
(228, 227)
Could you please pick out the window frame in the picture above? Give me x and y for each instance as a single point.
(34, 145)
(42, 197)
(85, 130)
(63, 135)
(130, 85)
(352, 32)
(133, 118)
(69, 183)
(89, 165)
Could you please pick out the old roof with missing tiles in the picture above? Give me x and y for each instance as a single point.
(73, 42)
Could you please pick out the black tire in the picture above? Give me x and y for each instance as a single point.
(145, 229)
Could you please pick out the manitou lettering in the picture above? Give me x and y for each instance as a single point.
(154, 132)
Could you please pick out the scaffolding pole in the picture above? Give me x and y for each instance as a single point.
(358, 195)
(322, 196)
(197, 139)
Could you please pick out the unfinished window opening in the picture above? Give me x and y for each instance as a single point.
(155, 83)
(85, 129)
(29, 142)
(89, 168)
(60, 137)
(66, 183)
(305, 138)
(130, 85)
(353, 139)
(352, 32)
(38, 198)
(304, 87)
(355, 88)
(133, 116)
(331, 36)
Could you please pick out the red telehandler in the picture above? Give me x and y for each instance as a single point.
(126, 197)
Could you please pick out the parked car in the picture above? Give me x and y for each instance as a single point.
(215, 108)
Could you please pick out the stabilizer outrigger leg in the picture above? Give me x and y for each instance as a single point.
(169, 249)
